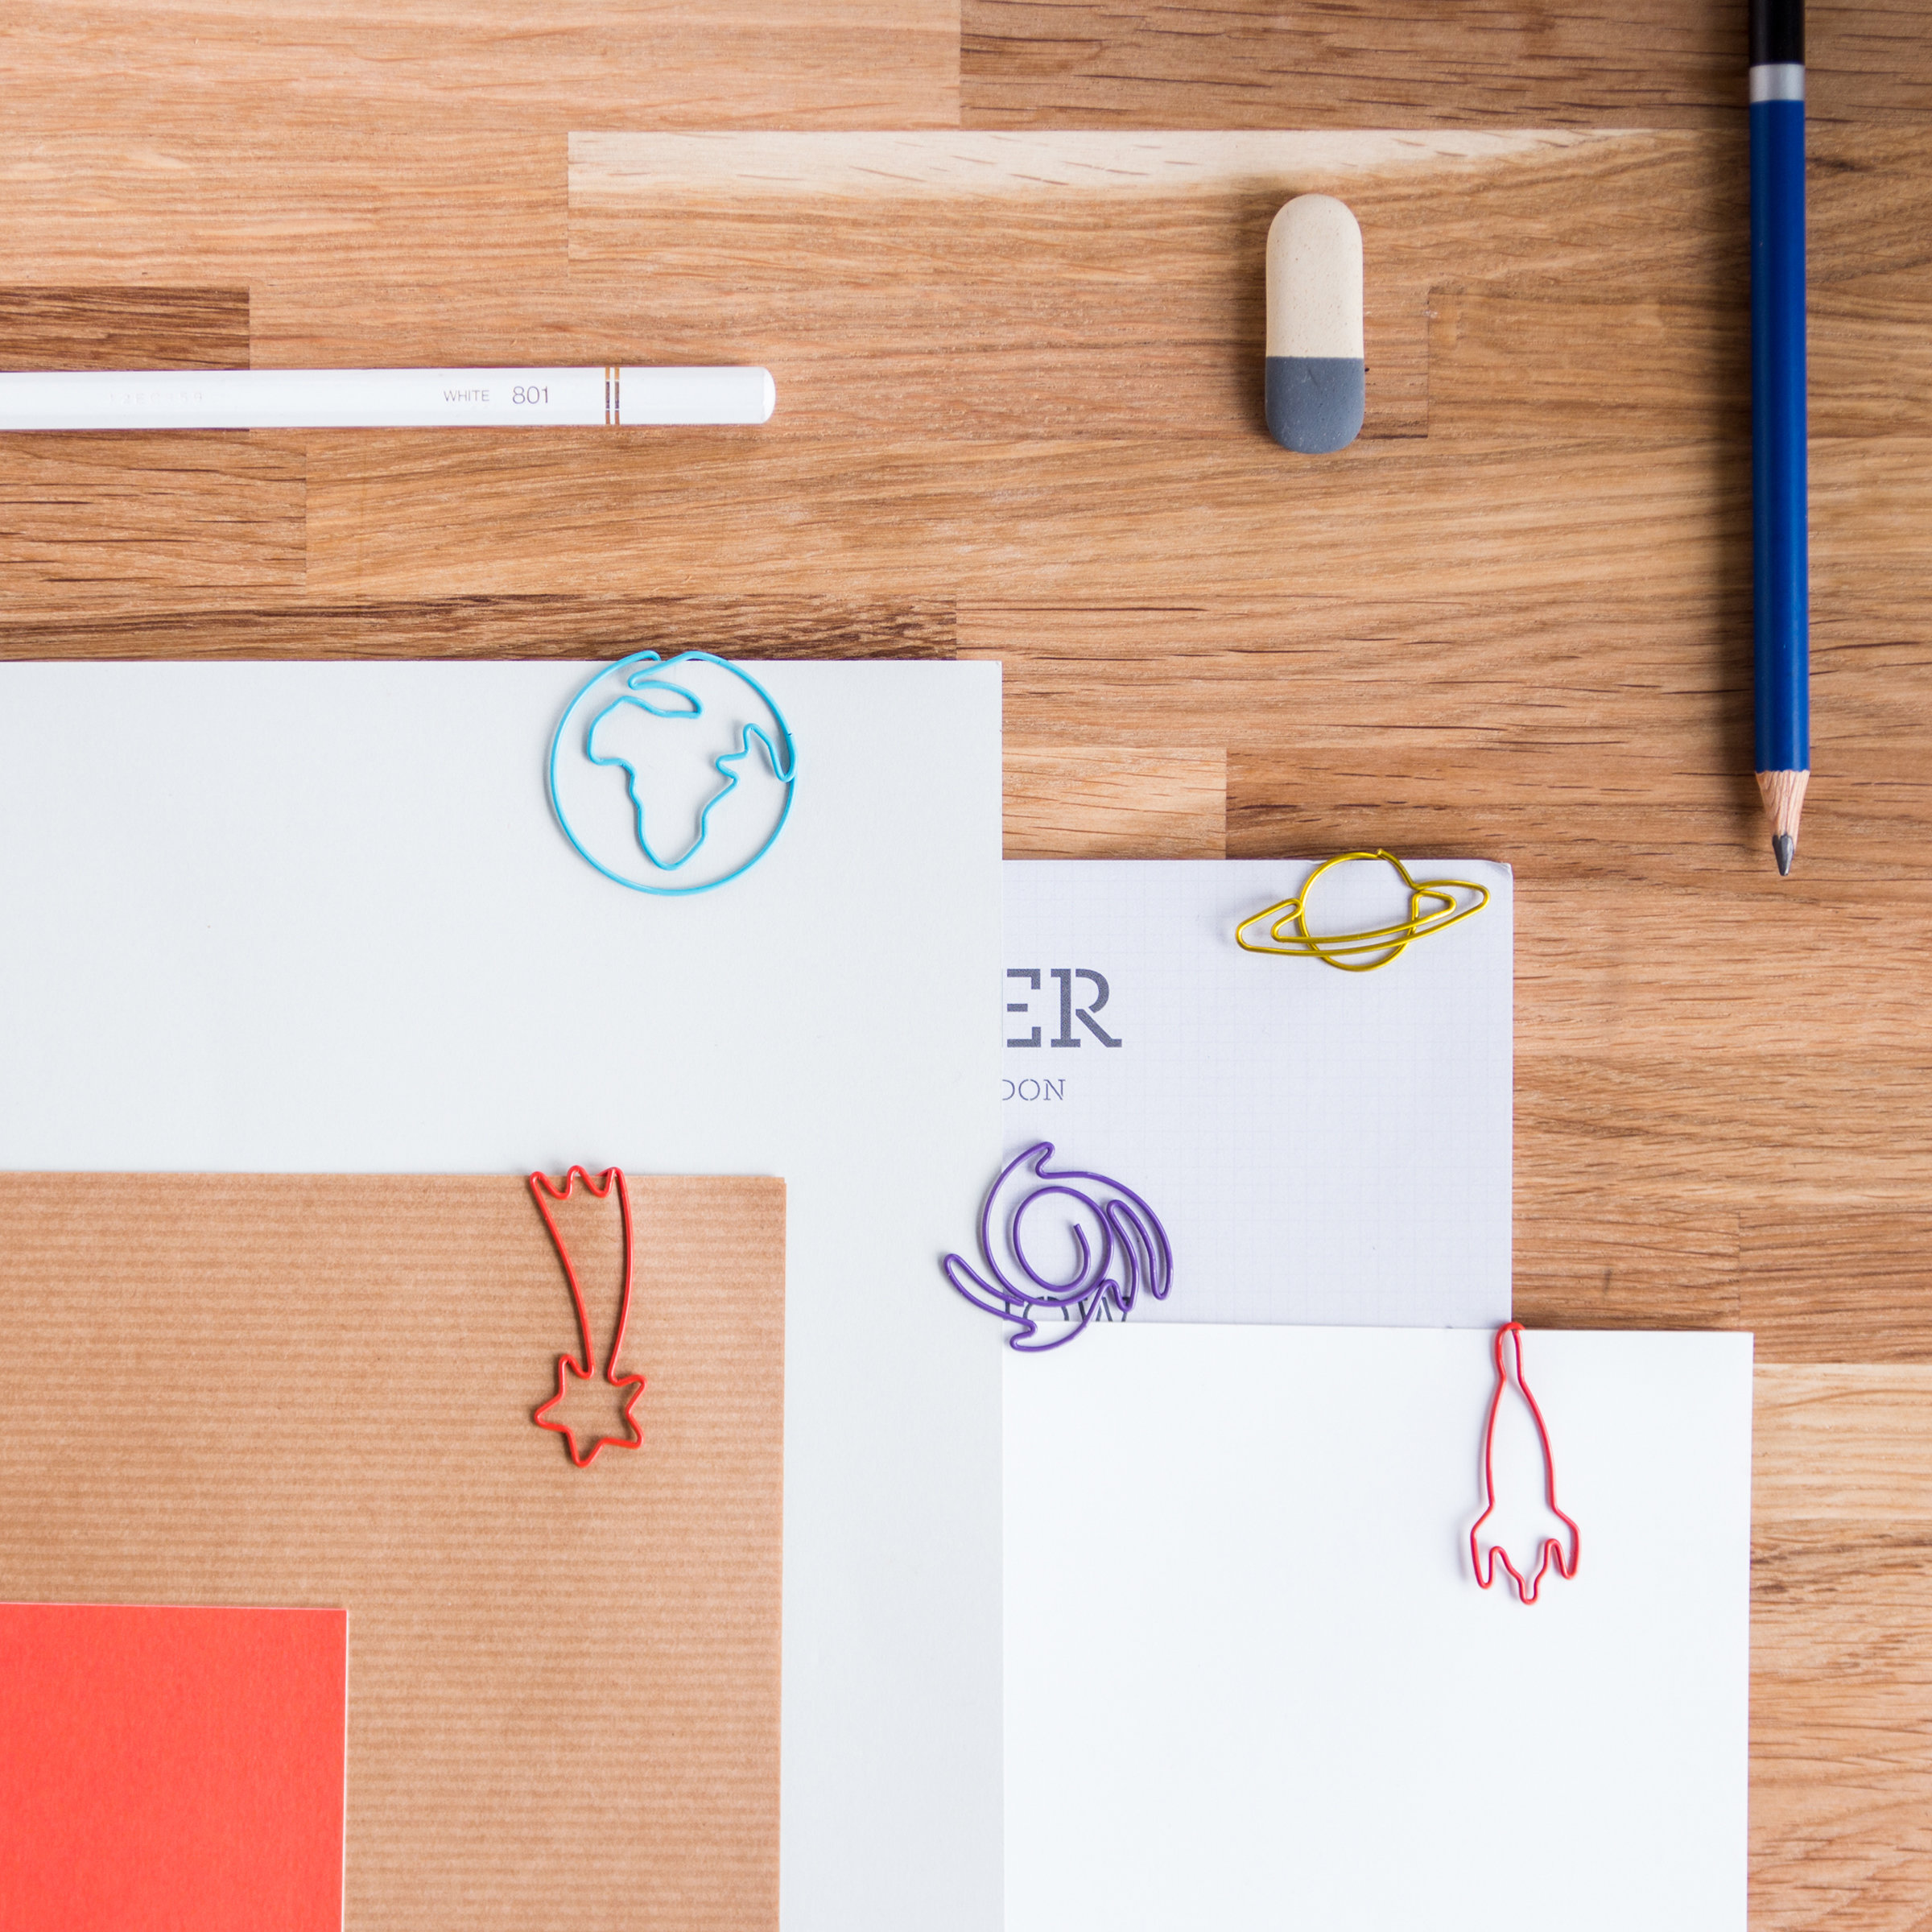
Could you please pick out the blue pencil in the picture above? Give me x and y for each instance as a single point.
(1780, 542)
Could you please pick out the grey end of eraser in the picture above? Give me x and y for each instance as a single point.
(1314, 402)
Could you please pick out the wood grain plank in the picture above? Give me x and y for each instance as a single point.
(1034, 301)
(217, 198)
(1340, 703)
(613, 173)
(1814, 1283)
(149, 64)
(405, 514)
(1733, 1128)
(1521, 700)
(1624, 1260)
(1494, 359)
(1085, 802)
(1634, 905)
(1564, 354)
(1637, 1207)
(1435, 206)
(103, 519)
(1349, 63)
(1842, 1284)
(1841, 1786)
(1870, 359)
(1519, 704)
(984, 349)
(1513, 358)
(123, 327)
(1031, 301)
(1843, 1442)
(555, 625)
(1025, 303)
(1841, 1723)
(1868, 191)
(1600, 824)
(1048, 334)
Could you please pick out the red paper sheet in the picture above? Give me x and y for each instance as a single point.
(168, 1769)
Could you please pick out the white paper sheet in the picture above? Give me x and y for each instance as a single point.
(1250, 1682)
(1319, 1145)
(319, 917)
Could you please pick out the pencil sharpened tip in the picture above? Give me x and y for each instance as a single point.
(1784, 845)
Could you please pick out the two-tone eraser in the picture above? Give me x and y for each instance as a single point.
(1316, 376)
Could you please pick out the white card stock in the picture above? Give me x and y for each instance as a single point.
(1250, 1680)
(1318, 1146)
(322, 917)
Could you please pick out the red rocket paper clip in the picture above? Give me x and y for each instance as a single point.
(631, 1386)
(1549, 1545)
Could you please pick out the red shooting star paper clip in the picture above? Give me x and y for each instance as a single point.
(1549, 1548)
(587, 1370)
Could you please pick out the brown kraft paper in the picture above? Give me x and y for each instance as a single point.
(317, 1390)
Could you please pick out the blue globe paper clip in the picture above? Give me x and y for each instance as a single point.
(672, 777)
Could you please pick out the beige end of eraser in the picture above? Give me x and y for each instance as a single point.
(1314, 279)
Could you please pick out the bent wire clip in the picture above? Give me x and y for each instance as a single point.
(1286, 924)
(1119, 1247)
(1550, 1546)
(628, 1387)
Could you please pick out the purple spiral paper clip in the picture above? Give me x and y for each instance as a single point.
(1119, 1244)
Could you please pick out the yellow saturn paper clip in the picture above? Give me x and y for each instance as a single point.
(1286, 924)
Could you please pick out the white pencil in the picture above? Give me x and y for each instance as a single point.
(380, 398)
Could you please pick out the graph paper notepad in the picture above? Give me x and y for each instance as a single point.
(1318, 1146)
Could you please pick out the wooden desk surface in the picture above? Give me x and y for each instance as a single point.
(1019, 416)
